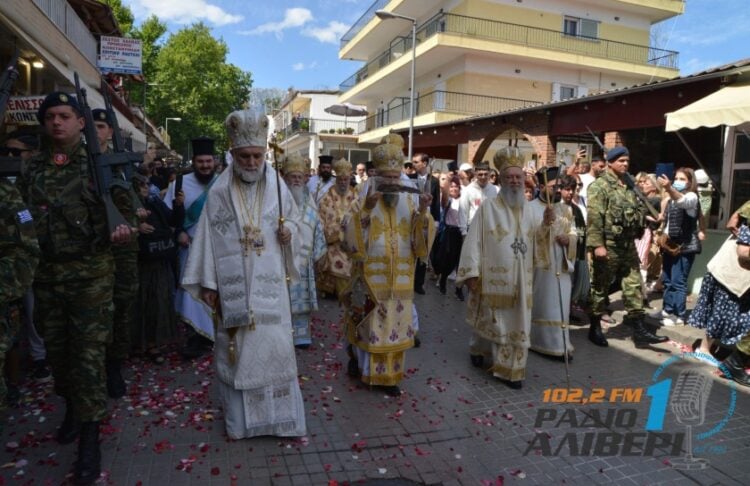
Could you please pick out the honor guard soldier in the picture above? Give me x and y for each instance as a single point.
(73, 283)
(615, 219)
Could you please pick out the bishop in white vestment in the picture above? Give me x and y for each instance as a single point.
(312, 249)
(238, 266)
(497, 264)
(553, 266)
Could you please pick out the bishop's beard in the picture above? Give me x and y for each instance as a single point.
(247, 176)
(298, 193)
(513, 197)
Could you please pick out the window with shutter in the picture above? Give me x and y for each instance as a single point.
(589, 29)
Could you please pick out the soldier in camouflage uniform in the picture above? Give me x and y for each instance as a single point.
(615, 218)
(19, 254)
(73, 283)
(126, 281)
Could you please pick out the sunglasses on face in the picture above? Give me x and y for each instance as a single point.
(12, 151)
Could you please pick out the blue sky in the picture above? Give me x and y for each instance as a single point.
(295, 42)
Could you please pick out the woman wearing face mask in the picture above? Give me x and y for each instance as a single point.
(681, 214)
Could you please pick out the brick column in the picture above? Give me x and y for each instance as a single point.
(613, 139)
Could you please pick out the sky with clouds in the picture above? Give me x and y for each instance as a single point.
(295, 42)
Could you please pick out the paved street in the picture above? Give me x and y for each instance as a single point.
(453, 425)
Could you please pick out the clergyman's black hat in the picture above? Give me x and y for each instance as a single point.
(203, 146)
(325, 159)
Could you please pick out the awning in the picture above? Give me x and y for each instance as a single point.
(728, 106)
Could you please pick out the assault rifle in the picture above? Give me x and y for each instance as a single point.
(9, 166)
(105, 168)
(628, 180)
(118, 146)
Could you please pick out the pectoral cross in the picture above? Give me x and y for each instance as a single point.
(251, 240)
(518, 245)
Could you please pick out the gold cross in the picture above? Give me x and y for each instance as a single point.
(246, 241)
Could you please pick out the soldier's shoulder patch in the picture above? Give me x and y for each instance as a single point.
(24, 217)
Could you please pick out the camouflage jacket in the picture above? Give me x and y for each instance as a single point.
(69, 217)
(19, 250)
(614, 212)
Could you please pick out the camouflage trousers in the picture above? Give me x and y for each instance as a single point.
(75, 320)
(125, 298)
(10, 323)
(622, 264)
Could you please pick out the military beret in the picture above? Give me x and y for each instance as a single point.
(616, 153)
(58, 98)
(101, 115)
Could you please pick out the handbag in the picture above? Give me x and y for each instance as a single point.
(668, 246)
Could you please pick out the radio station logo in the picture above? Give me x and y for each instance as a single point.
(608, 422)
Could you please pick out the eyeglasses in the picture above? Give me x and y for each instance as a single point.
(12, 151)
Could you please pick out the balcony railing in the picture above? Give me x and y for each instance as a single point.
(314, 125)
(68, 21)
(444, 102)
(515, 34)
(362, 21)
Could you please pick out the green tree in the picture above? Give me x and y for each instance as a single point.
(149, 32)
(195, 83)
(123, 15)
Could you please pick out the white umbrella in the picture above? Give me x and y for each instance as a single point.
(346, 110)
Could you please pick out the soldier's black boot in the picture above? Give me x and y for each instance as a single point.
(735, 365)
(595, 331)
(70, 427)
(642, 337)
(89, 464)
(116, 387)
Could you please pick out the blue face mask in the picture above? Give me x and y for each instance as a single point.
(679, 185)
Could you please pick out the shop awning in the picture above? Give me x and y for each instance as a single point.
(728, 106)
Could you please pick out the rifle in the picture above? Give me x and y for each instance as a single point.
(628, 180)
(9, 166)
(118, 146)
(103, 166)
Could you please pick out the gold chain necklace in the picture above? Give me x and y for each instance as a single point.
(252, 238)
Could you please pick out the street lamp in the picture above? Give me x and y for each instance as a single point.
(386, 15)
(166, 128)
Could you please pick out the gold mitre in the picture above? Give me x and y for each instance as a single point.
(246, 129)
(508, 157)
(294, 163)
(342, 167)
(390, 154)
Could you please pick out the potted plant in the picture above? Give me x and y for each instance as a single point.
(349, 130)
(304, 124)
(338, 130)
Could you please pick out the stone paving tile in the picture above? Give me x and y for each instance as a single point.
(453, 425)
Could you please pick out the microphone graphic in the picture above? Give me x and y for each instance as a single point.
(688, 404)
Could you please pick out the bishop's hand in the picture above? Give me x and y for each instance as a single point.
(372, 200)
(285, 236)
(425, 200)
(549, 216)
(209, 296)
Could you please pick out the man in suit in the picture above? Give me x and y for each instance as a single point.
(430, 184)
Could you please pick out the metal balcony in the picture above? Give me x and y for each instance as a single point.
(466, 104)
(362, 21)
(66, 19)
(516, 34)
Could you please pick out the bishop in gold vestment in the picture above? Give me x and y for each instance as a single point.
(334, 269)
(386, 234)
(497, 264)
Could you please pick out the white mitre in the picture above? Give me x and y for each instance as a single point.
(245, 128)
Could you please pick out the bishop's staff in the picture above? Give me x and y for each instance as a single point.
(276, 152)
(548, 200)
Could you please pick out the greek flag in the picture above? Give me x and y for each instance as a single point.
(24, 216)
